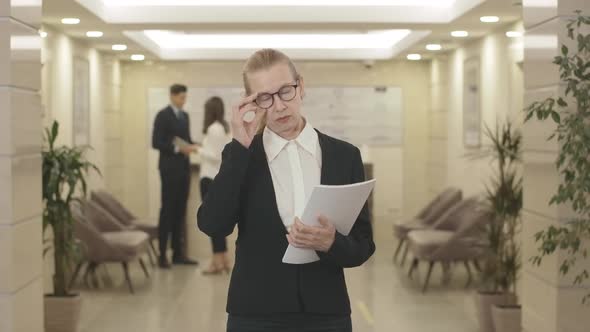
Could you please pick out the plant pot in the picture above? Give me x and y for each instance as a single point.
(62, 314)
(484, 302)
(507, 318)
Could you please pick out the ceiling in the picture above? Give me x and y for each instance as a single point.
(319, 29)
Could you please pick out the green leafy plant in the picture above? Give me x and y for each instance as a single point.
(571, 114)
(64, 174)
(504, 199)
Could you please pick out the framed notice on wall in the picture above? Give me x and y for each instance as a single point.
(81, 103)
(471, 103)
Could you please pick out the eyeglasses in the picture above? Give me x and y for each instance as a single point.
(285, 93)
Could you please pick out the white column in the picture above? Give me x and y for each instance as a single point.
(550, 302)
(21, 291)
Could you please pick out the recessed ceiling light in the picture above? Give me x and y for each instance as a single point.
(460, 34)
(119, 47)
(414, 57)
(513, 34)
(43, 34)
(489, 19)
(70, 20)
(433, 47)
(138, 57)
(94, 34)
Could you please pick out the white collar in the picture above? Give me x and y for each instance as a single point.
(175, 109)
(274, 144)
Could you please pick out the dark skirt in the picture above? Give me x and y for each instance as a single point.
(297, 322)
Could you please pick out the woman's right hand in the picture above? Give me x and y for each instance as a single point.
(242, 130)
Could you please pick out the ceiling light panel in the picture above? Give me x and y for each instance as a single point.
(378, 39)
(321, 45)
(291, 3)
(279, 11)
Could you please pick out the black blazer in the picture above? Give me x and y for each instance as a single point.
(242, 193)
(166, 126)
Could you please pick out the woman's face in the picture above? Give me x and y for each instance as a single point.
(282, 117)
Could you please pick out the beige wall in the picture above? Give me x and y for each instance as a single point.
(501, 90)
(401, 171)
(58, 54)
(501, 93)
(21, 278)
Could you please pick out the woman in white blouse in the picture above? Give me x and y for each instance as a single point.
(216, 136)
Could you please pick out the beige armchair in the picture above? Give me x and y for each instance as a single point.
(108, 202)
(425, 218)
(110, 246)
(458, 236)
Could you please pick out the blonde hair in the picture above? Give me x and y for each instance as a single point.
(264, 59)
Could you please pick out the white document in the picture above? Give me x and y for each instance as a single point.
(341, 205)
(179, 142)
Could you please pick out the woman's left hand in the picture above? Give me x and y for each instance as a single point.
(319, 238)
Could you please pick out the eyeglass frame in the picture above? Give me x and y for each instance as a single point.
(272, 95)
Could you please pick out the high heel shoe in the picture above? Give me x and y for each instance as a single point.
(213, 271)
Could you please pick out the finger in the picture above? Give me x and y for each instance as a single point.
(248, 100)
(324, 221)
(310, 229)
(294, 242)
(303, 238)
(301, 227)
(249, 108)
(260, 113)
(257, 120)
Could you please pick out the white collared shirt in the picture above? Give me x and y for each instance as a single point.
(295, 168)
(176, 111)
(210, 152)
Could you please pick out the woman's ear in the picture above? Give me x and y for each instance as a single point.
(301, 87)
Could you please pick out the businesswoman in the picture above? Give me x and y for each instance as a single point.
(215, 131)
(261, 187)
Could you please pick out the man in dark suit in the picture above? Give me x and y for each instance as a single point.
(263, 182)
(173, 122)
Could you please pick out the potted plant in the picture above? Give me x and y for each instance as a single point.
(64, 172)
(570, 111)
(496, 297)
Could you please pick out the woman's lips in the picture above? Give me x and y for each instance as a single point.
(283, 119)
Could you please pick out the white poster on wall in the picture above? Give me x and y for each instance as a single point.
(471, 104)
(81, 103)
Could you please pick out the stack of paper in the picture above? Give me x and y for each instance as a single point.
(341, 205)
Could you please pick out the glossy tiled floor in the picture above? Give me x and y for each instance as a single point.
(180, 300)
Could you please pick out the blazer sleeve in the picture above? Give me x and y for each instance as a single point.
(357, 247)
(188, 124)
(218, 214)
(159, 140)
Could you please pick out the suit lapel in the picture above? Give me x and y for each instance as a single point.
(328, 160)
